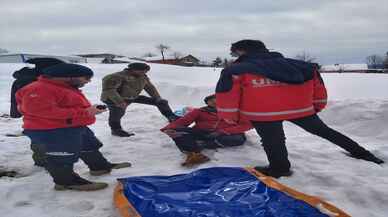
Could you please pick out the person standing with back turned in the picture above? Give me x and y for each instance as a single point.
(267, 89)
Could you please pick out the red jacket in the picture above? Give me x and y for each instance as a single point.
(50, 104)
(255, 97)
(207, 119)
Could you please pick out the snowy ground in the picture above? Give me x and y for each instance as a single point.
(358, 107)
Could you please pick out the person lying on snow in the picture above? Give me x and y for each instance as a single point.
(208, 132)
(55, 116)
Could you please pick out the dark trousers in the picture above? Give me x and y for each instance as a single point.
(274, 140)
(116, 113)
(63, 147)
(195, 140)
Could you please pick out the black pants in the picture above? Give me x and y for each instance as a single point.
(62, 147)
(274, 140)
(195, 140)
(116, 113)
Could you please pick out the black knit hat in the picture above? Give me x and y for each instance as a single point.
(138, 66)
(44, 62)
(250, 46)
(209, 98)
(67, 70)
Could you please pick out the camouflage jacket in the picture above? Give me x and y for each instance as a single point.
(120, 87)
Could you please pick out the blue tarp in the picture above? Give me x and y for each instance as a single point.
(211, 192)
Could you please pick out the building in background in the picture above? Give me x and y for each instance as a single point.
(23, 57)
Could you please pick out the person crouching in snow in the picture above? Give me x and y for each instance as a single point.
(208, 132)
(56, 115)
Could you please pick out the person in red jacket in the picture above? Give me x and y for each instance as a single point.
(267, 89)
(209, 132)
(55, 116)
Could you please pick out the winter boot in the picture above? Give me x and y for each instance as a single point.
(66, 179)
(368, 157)
(121, 133)
(268, 171)
(81, 184)
(113, 166)
(194, 158)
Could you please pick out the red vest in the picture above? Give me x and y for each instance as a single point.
(258, 98)
(50, 104)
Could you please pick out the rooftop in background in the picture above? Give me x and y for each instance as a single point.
(23, 57)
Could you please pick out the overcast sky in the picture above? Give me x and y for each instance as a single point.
(333, 31)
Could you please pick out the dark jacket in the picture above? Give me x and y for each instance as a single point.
(23, 77)
(122, 87)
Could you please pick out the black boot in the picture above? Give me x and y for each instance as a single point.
(66, 179)
(268, 171)
(121, 133)
(368, 157)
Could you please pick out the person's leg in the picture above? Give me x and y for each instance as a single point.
(162, 106)
(187, 143)
(274, 143)
(314, 125)
(187, 139)
(92, 157)
(227, 141)
(115, 115)
(38, 154)
(62, 151)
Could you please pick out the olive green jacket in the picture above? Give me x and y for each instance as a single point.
(120, 87)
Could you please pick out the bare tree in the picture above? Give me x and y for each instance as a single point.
(374, 61)
(177, 55)
(304, 56)
(149, 54)
(2, 50)
(217, 62)
(162, 48)
(386, 61)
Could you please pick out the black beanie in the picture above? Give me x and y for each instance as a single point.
(209, 98)
(44, 62)
(250, 46)
(67, 70)
(138, 66)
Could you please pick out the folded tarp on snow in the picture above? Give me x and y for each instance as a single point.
(216, 192)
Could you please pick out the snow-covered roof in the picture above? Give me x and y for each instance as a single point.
(22, 57)
(166, 57)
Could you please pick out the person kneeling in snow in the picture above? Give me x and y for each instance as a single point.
(55, 116)
(208, 132)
